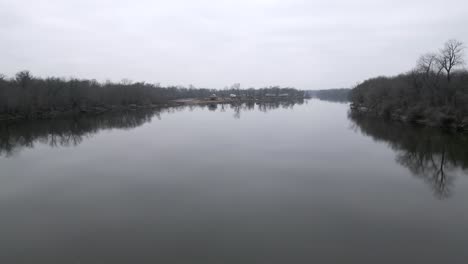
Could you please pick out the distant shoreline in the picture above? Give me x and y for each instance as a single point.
(224, 100)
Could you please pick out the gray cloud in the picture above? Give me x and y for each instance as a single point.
(305, 44)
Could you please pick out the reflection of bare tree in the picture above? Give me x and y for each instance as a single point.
(250, 105)
(212, 107)
(433, 168)
(440, 179)
(237, 110)
(429, 154)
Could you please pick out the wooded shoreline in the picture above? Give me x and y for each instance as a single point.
(28, 97)
(434, 93)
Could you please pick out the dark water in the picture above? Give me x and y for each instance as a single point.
(284, 183)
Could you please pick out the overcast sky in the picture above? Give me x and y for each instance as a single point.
(301, 43)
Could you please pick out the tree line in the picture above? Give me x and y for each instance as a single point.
(27, 96)
(435, 92)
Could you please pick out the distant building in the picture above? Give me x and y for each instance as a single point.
(283, 95)
(213, 97)
(232, 96)
(270, 95)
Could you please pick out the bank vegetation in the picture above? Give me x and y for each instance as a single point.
(434, 93)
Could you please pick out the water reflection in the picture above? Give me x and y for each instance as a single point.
(72, 131)
(430, 154)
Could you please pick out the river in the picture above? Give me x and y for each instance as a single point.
(272, 183)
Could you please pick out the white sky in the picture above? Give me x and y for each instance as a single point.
(298, 43)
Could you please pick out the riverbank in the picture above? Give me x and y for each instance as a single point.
(432, 119)
(81, 111)
(201, 101)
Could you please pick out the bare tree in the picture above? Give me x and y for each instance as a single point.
(126, 81)
(23, 78)
(428, 63)
(236, 87)
(451, 56)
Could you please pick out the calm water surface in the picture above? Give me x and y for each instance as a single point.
(304, 183)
